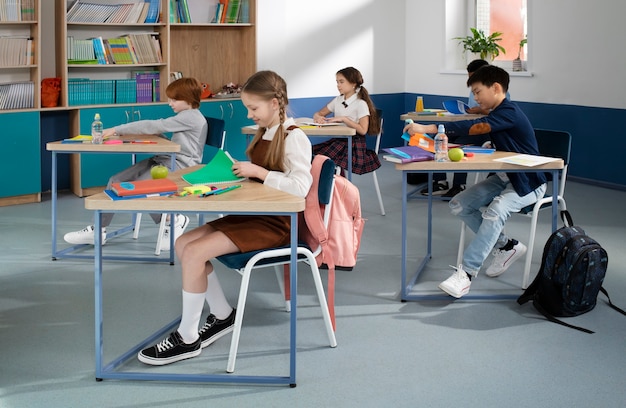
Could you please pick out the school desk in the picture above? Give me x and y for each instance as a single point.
(424, 118)
(130, 144)
(251, 199)
(335, 131)
(478, 163)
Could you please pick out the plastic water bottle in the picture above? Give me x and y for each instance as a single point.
(96, 130)
(441, 145)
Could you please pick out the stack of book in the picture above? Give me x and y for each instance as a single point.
(144, 87)
(16, 51)
(17, 10)
(17, 95)
(407, 154)
(146, 12)
(127, 49)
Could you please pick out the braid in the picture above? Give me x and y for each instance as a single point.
(269, 85)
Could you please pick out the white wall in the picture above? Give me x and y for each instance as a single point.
(307, 42)
(578, 55)
(577, 51)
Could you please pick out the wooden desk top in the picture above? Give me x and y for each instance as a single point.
(339, 130)
(252, 196)
(436, 118)
(162, 145)
(479, 162)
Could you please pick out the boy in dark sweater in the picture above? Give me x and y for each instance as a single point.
(501, 193)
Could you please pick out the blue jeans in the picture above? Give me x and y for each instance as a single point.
(500, 200)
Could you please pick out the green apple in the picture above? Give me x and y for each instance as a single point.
(455, 154)
(159, 171)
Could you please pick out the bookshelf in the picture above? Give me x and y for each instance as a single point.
(214, 53)
(100, 44)
(20, 76)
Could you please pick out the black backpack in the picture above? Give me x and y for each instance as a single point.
(572, 270)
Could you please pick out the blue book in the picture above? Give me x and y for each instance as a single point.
(153, 11)
(407, 154)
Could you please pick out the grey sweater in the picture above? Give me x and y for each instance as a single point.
(189, 129)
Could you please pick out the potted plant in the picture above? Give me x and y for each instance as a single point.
(482, 44)
(517, 62)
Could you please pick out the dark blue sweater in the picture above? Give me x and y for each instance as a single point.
(510, 131)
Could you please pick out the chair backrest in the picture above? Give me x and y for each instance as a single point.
(555, 143)
(216, 134)
(379, 113)
(215, 138)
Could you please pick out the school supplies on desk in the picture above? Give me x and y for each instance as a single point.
(115, 197)
(218, 170)
(407, 154)
(424, 141)
(78, 139)
(220, 190)
(455, 106)
(150, 186)
(198, 189)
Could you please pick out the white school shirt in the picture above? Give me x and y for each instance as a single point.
(297, 178)
(356, 107)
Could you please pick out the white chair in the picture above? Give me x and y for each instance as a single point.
(377, 146)
(216, 137)
(245, 263)
(551, 143)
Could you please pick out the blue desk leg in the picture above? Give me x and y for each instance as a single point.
(293, 281)
(54, 205)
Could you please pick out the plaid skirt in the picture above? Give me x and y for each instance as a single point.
(363, 159)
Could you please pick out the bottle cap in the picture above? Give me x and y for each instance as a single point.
(441, 129)
(97, 116)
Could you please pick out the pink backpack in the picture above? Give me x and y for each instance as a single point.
(341, 241)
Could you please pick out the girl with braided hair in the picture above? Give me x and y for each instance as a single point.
(354, 108)
(280, 157)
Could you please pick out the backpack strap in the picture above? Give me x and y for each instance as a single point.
(555, 320)
(611, 303)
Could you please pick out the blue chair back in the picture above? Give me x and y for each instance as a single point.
(554, 143)
(214, 138)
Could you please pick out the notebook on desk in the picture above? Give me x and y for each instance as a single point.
(138, 187)
(218, 170)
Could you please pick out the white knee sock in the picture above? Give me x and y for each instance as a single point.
(215, 298)
(192, 311)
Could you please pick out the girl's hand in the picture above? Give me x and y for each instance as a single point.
(249, 170)
(319, 119)
(337, 119)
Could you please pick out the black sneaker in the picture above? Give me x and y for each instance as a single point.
(213, 328)
(169, 350)
(439, 188)
(453, 191)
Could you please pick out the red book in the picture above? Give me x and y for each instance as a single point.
(150, 186)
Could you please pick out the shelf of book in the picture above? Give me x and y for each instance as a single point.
(19, 55)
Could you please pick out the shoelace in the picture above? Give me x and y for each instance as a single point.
(210, 322)
(164, 345)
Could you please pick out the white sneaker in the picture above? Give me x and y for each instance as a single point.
(182, 221)
(84, 236)
(502, 259)
(458, 284)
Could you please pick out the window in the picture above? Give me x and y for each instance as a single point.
(506, 16)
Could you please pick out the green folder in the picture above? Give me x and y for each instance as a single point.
(218, 170)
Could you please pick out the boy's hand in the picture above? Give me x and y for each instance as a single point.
(413, 128)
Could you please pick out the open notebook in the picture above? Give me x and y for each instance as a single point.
(218, 170)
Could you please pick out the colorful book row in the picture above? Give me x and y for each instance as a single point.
(144, 88)
(146, 12)
(127, 49)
